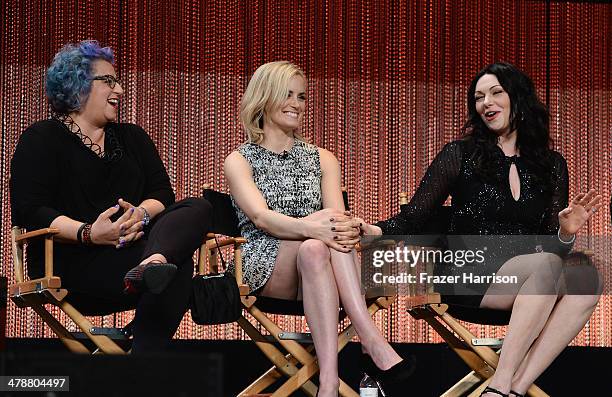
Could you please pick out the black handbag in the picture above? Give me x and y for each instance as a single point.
(215, 298)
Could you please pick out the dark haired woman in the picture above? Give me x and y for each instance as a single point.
(505, 180)
(104, 187)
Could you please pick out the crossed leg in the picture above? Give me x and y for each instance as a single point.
(543, 320)
(322, 277)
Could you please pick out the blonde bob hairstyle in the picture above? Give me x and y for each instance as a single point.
(267, 89)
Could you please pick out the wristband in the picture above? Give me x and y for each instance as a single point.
(80, 233)
(571, 241)
(146, 218)
(87, 234)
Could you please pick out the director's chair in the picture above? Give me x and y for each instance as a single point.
(291, 354)
(48, 290)
(442, 314)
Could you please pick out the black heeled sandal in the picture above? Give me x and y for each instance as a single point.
(492, 390)
(390, 381)
(516, 394)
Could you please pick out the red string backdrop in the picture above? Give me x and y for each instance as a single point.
(387, 84)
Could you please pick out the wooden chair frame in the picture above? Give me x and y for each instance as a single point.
(296, 362)
(48, 290)
(476, 353)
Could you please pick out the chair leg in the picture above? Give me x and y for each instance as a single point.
(485, 352)
(60, 331)
(535, 391)
(478, 391)
(466, 384)
(463, 350)
(296, 350)
(103, 342)
(482, 359)
(285, 364)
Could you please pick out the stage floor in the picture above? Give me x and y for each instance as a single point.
(223, 368)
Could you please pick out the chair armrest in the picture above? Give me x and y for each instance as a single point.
(212, 246)
(25, 237)
(18, 241)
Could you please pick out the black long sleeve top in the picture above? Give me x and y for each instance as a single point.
(53, 173)
(485, 208)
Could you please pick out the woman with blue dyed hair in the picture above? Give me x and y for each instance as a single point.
(103, 185)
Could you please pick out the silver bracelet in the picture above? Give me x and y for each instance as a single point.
(571, 241)
(146, 218)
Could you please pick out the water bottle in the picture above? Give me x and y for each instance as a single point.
(368, 387)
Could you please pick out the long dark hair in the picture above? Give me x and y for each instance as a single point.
(528, 116)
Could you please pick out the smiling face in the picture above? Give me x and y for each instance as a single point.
(493, 104)
(102, 103)
(289, 115)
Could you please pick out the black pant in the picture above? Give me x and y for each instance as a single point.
(96, 285)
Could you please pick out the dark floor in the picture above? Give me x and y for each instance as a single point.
(223, 368)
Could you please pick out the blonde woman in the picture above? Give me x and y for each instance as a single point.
(287, 195)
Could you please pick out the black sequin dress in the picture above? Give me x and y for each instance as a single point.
(482, 208)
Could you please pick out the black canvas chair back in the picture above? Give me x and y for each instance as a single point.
(224, 219)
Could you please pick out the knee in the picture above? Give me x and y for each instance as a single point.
(313, 256)
(201, 205)
(547, 265)
(584, 281)
(547, 273)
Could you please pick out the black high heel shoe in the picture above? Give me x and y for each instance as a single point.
(390, 381)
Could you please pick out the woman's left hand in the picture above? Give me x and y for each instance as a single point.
(580, 209)
(347, 229)
(132, 228)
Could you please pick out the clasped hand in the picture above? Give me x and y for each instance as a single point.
(337, 229)
(126, 229)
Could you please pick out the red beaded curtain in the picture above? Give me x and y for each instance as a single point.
(387, 86)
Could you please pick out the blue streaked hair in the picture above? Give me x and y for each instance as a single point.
(69, 76)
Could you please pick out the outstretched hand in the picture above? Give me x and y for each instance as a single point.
(579, 211)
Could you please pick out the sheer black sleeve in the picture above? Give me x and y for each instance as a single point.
(34, 176)
(559, 201)
(433, 190)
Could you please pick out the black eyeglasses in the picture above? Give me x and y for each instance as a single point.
(111, 81)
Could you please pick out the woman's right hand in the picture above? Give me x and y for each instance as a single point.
(106, 232)
(322, 227)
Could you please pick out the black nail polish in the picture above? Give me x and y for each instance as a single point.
(333, 228)
(335, 237)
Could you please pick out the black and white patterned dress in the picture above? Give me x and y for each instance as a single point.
(291, 185)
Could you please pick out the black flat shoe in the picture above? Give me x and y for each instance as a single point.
(391, 382)
(492, 390)
(516, 394)
(150, 277)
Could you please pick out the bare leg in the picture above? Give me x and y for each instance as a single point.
(155, 257)
(320, 301)
(565, 322)
(537, 273)
(348, 281)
